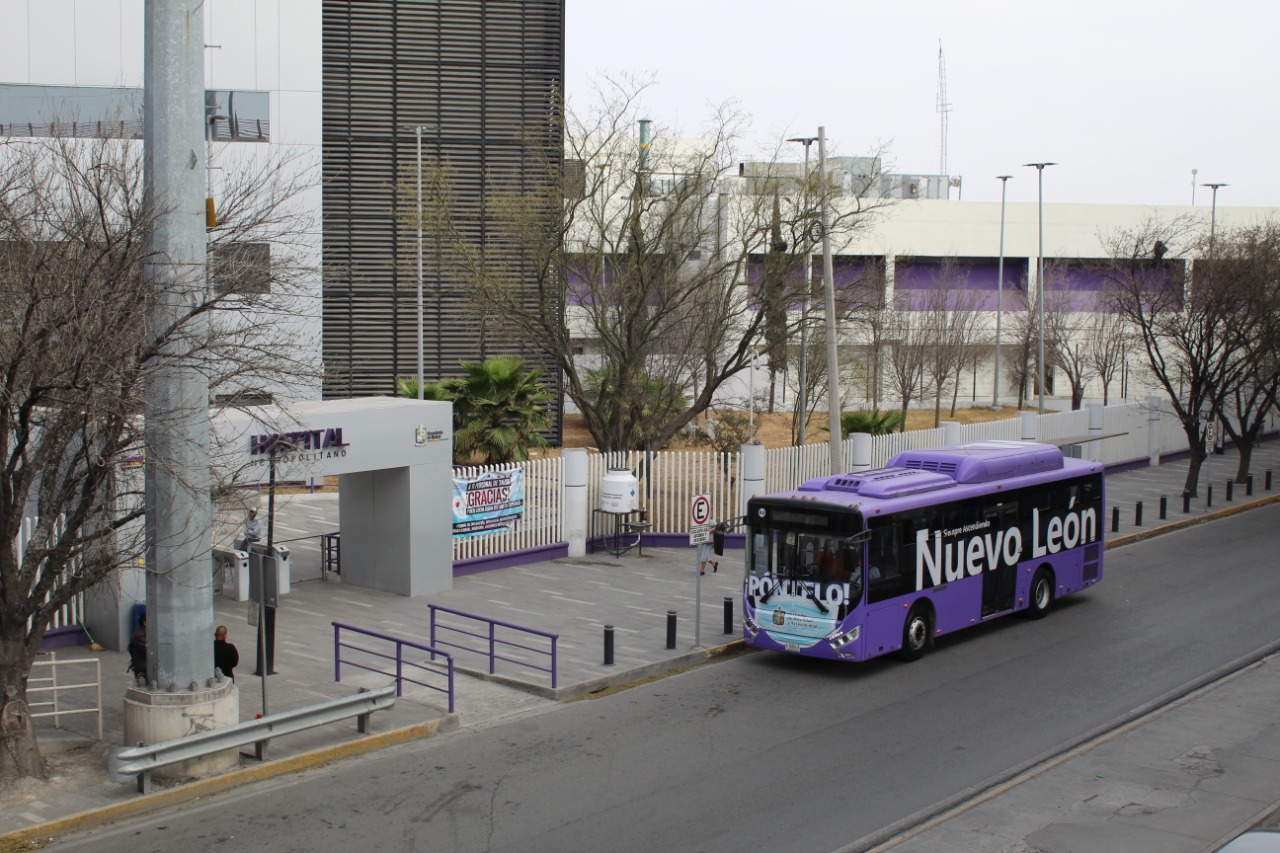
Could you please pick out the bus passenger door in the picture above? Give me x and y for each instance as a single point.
(998, 586)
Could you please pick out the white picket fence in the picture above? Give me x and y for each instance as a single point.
(540, 522)
(668, 480)
(71, 613)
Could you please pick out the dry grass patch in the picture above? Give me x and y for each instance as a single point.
(774, 430)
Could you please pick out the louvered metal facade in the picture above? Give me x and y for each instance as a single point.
(478, 76)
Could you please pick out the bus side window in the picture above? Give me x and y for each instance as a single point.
(883, 574)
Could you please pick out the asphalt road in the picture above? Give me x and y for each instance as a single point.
(773, 752)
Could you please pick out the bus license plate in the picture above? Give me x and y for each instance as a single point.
(792, 647)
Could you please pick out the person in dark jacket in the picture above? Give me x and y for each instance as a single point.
(138, 650)
(225, 656)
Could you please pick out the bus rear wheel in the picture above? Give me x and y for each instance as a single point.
(1041, 594)
(916, 633)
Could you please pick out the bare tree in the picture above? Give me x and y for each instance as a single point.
(656, 245)
(950, 324)
(76, 356)
(1066, 344)
(909, 334)
(1183, 324)
(1023, 334)
(1247, 262)
(775, 290)
(1108, 346)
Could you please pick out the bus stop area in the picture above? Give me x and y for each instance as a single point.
(640, 595)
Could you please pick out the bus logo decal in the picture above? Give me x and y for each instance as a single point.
(1068, 530)
(949, 557)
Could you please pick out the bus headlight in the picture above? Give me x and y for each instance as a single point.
(838, 643)
(749, 627)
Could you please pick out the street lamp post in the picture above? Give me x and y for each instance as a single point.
(1039, 167)
(834, 437)
(417, 132)
(1213, 215)
(802, 399)
(995, 382)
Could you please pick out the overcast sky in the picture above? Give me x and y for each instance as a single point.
(1128, 97)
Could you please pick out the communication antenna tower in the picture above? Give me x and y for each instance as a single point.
(944, 106)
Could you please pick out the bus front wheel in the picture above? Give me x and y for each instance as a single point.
(1041, 594)
(916, 633)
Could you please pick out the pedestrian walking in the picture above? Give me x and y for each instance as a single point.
(704, 553)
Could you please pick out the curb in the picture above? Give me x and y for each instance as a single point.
(622, 677)
(34, 837)
(1225, 512)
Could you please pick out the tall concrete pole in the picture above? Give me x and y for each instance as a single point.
(835, 439)
(1040, 366)
(802, 398)
(995, 380)
(178, 511)
(417, 132)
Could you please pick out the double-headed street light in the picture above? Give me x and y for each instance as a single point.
(1213, 216)
(1040, 167)
(995, 386)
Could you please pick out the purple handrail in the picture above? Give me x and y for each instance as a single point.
(494, 642)
(401, 663)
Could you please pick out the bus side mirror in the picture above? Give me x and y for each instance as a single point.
(717, 540)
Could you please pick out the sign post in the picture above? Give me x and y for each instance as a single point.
(699, 534)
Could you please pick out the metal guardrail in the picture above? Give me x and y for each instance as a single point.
(142, 759)
(493, 641)
(400, 662)
(56, 689)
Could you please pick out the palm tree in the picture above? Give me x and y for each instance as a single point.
(871, 421)
(498, 409)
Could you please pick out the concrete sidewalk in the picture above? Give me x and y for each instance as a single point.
(575, 599)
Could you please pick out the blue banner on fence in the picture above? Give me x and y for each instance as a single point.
(488, 503)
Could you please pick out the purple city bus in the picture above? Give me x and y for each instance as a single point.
(859, 565)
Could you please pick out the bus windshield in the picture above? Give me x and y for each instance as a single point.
(796, 555)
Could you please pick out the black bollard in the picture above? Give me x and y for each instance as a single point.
(1248, 486)
(1137, 514)
(1266, 481)
(1115, 519)
(728, 615)
(1186, 502)
(1164, 507)
(671, 629)
(608, 645)
(1229, 489)
(1208, 499)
